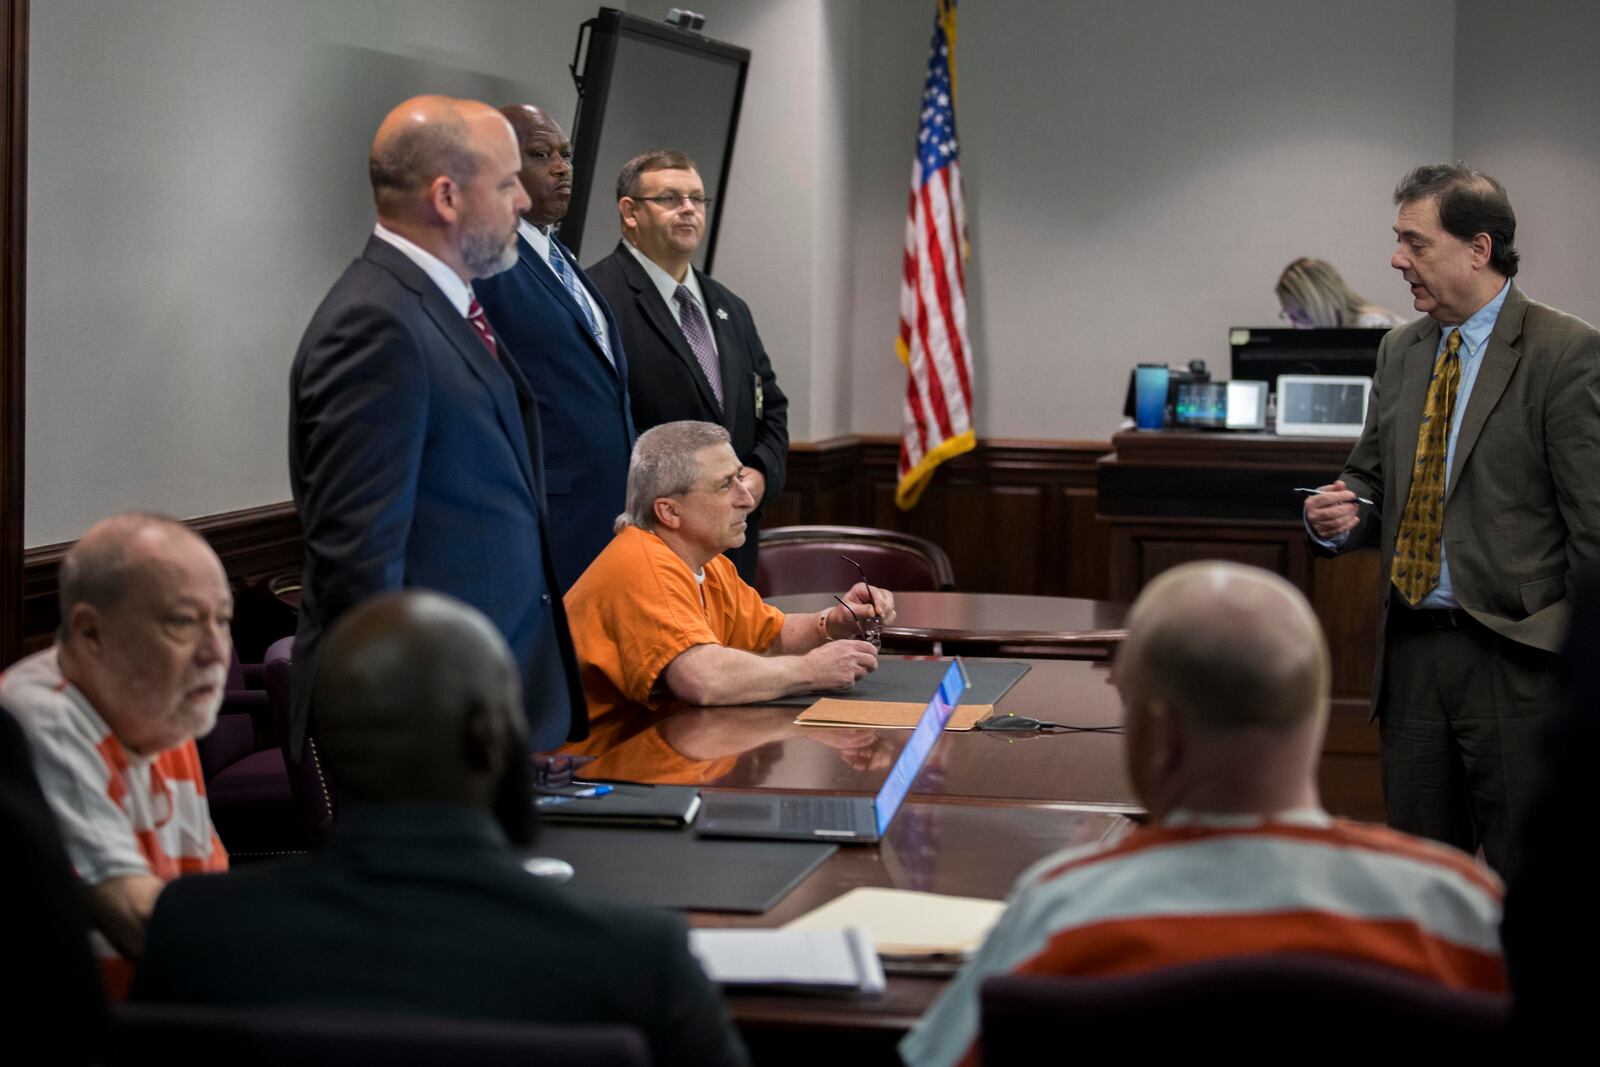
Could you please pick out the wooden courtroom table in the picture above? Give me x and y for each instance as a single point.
(758, 747)
(990, 624)
(985, 807)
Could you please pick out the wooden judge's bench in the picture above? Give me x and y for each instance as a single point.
(1172, 496)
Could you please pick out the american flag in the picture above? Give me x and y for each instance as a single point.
(936, 422)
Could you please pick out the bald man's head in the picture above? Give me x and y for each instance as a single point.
(1226, 647)
(423, 138)
(416, 701)
(546, 155)
(1224, 679)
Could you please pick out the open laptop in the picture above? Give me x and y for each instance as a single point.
(846, 820)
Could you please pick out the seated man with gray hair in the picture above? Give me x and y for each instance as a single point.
(112, 710)
(662, 616)
(1224, 685)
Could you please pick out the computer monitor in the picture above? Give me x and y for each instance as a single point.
(1264, 353)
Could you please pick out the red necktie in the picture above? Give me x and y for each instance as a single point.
(480, 322)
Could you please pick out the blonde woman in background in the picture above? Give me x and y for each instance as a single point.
(1314, 295)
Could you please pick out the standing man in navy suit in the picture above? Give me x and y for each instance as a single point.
(413, 441)
(562, 336)
(693, 343)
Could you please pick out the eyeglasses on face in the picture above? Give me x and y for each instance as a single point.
(672, 201)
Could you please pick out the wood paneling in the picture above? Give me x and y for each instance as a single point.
(1015, 516)
(13, 304)
(255, 545)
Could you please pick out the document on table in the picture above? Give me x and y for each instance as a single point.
(822, 961)
(908, 925)
(884, 714)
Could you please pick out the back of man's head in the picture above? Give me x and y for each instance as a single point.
(1224, 668)
(416, 701)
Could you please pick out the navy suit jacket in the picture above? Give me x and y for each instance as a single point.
(666, 383)
(583, 402)
(414, 460)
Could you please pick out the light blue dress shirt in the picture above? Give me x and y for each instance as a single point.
(1474, 337)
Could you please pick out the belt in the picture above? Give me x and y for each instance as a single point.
(1435, 618)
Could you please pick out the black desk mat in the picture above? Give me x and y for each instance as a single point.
(676, 869)
(912, 681)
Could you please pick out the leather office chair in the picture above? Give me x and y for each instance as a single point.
(805, 559)
(247, 787)
(313, 792)
(175, 1035)
(1289, 1004)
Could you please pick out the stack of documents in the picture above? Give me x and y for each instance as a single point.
(804, 961)
(909, 927)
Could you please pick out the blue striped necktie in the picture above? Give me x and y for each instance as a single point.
(558, 263)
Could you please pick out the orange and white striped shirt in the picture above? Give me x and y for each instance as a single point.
(1203, 887)
(119, 813)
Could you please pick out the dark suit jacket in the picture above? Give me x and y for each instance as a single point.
(666, 383)
(583, 402)
(1547, 893)
(54, 974)
(428, 910)
(1523, 503)
(414, 460)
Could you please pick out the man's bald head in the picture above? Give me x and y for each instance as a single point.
(416, 701)
(423, 139)
(546, 161)
(1224, 679)
(1226, 647)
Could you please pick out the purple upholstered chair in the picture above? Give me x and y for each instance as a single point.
(805, 559)
(247, 787)
(313, 791)
(175, 1035)
(1289, 1005)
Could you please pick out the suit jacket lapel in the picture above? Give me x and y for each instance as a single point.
(1417, 370)
(721, 329)
(528, 260)
(660, 318)
(1499, 361)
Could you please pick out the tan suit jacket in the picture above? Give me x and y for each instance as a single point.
(1522, 505)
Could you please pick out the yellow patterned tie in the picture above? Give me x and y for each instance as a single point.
(1415, 568)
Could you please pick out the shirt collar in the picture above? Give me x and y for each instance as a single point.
(537, 239)
(1216, 820)
(665, 284)
(458, 292)
(1476, 330)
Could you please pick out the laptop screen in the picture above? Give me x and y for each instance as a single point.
(915, 754)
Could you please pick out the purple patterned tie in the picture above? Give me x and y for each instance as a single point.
(699, 337)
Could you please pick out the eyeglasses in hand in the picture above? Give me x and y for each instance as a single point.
(871, 627)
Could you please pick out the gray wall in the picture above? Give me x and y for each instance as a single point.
(196, 181)
(1528, 112)
(1137, 174)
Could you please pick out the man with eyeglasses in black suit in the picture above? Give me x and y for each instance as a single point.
(693, 349)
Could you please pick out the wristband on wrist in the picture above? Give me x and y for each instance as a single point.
(822, 627)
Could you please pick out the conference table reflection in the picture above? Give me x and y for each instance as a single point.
(991, 624)
(761, 747)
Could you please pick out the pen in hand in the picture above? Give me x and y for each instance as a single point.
(1320, 492)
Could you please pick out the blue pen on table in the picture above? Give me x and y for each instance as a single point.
(1324, 492)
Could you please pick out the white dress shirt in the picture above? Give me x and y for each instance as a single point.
(667, 286)
(458, 292)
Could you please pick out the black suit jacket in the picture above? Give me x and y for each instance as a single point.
(54, 975)
(428, 910)
(583, 402)
(666, 383)
(414, 460)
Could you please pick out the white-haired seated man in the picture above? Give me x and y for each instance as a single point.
(112, 709)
